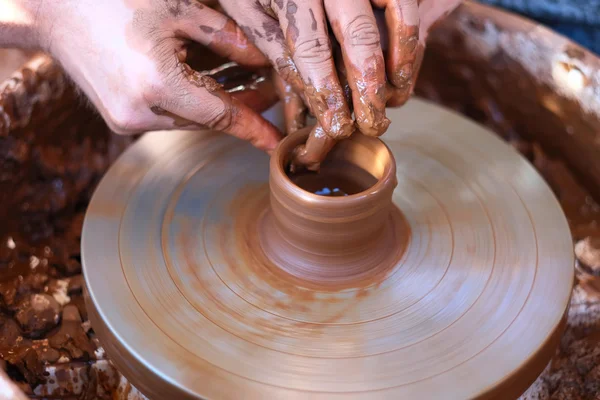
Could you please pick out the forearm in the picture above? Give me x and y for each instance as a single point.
(20, 23)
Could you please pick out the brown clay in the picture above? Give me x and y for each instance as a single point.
(363, 67)
(310, 154)
(332, 238)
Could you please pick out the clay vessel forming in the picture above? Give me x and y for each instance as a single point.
(323, 238)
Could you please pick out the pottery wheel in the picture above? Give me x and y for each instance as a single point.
(473, 308)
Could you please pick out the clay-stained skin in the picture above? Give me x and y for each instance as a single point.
(290, 14)
(252, 88)
(229, 112)
(364, 68)
(407, 23)
(200, 80)
(402, 22)
(397, 96)
(313, 24)
(293, 107)
(286, 68)
(189, 20)
(328, 101)
(176, 7)
(311, 154)
(177, 120)
(369, 97)
(431, 12)
(259, 96)
(230, 40)
(174, 96)
(272, 31)
(311, 52)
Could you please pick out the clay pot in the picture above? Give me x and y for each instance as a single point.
(330, 237)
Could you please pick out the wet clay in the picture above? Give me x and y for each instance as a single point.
(335, 178)
(371, 83)
(321, 219)
(45, 185)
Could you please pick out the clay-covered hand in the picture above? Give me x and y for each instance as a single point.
(129, 56)
(365, 31)
(295, 35)
(404, 38)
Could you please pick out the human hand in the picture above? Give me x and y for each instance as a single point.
(400, 33)
(129, 57)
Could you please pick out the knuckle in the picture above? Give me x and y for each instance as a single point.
(315, 50)
(362, 32)
(172, 75)
(220, 117)
(152, 94)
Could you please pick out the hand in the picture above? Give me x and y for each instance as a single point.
(401, 32)
(295, 36)
(129, 57)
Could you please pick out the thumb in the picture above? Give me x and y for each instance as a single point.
(200, 99)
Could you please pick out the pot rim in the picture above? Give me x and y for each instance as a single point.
(281, 156)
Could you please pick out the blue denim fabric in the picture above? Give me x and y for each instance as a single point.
(577, 19)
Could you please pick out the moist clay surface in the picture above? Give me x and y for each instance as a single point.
(334, 179)
(316, 238)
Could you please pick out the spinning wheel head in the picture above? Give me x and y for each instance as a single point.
(184, 252)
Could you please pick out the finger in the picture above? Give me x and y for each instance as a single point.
(305, 30)
(402, 19)
(342, 74)
(356, 30)
(311, 154)
(264, 31)
(294, 111)
(220, 34)
(200, 99)
(396, 97)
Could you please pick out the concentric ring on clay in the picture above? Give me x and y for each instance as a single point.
(473, 307)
